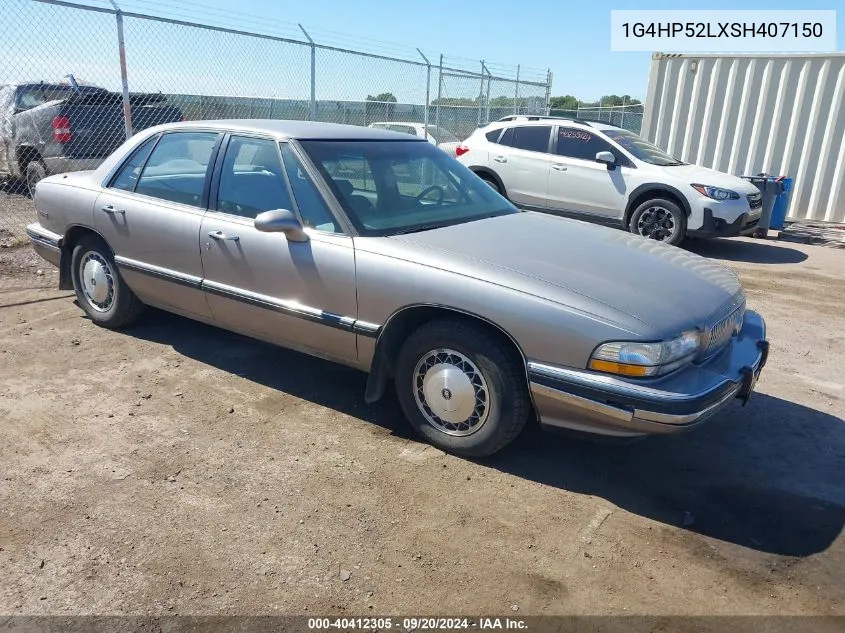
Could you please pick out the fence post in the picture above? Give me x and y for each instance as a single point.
(427, 91)
(312, 106)
(124, 79)
(481, 95)
(548, 90)
(439, 93)
(516, 93)
(487, 101)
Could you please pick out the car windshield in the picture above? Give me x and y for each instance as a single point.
(387, 188)
(442, 136)
(642, 149)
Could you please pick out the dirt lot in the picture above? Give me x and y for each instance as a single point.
(175, 468)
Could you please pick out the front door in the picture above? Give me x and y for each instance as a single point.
(579, 184)
(298, 294)
(150, 215)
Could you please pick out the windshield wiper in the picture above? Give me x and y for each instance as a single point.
(424, 227)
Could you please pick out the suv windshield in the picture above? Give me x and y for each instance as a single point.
(642, 149)
(387, 188)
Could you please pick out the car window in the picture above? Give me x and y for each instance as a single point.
(312, 207)
(507, 137)
(127, 177)
(534, 138)
(493, 136)
(404, 129)
(642, 149)
(582, 144)
(402, 186)
(177, 167)
(251, 179)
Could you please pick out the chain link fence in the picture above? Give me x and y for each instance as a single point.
(76, 79)
(629, 117)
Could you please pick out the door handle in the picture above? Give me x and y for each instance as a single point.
(110, 209)
(500, 159)
(559, 167)
(220, 235)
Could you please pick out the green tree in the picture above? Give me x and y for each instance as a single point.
(567, 102)
(384, 97)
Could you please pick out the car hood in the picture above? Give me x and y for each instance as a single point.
(581, 265)
(695, 174)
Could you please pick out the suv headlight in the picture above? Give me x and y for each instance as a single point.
(629, 358)
(717, 193)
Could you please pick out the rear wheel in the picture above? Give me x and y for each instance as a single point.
(659, 219)
(491, 182)
(100, 289)
(462, 388)
(35, 172)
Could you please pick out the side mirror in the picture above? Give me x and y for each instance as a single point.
(281, 221)
(607, 158)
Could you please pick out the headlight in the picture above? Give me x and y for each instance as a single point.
(717, 193)
(629, 358)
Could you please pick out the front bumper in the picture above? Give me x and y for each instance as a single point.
(588, 401)
(712, 226)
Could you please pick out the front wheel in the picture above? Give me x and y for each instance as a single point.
(100, 290)
(491, 182)
(462, 388)
(659, 219)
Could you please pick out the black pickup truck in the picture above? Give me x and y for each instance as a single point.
(54, 128)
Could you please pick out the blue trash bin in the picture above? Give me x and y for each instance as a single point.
(781, 205)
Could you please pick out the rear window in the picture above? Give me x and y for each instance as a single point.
(533, 138)
(493, 136)
(33, 96)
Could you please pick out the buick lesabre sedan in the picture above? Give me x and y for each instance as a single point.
(379, 251)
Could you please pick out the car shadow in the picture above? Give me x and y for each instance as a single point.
(767, 476)
(762, 252)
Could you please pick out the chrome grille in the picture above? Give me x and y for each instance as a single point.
(724, 330)
(755, 200)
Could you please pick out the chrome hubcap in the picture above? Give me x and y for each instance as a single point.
(450, 392)
(97, 281)
(656, 223)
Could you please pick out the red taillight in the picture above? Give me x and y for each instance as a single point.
(460, 150)
(61, 129)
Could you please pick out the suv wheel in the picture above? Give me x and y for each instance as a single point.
(491, 182)
(659, 219)
(462, 388)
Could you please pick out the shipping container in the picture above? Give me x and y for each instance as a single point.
(750, 114)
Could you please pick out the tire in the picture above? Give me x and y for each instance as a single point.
(115, 307)
(491, 182)
(482, 368)
(35, 172)
(659, 219)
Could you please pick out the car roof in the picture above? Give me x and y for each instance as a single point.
(399, 123)
(531, 120)
(298, 130)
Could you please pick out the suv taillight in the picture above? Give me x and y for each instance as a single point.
(61, 129)
(460, 150)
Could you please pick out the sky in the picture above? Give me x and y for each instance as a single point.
(570, 38)
(43, 41)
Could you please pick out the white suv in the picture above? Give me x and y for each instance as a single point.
(602, 173)
(439, 136)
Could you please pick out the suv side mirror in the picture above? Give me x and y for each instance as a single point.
(607, 158)
(281, 221)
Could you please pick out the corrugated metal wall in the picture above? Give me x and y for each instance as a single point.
(746, 114)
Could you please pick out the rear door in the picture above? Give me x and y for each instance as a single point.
(521, 159)
(150, 214)
(579, 184)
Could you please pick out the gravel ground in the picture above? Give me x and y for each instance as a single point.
(177, 469)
